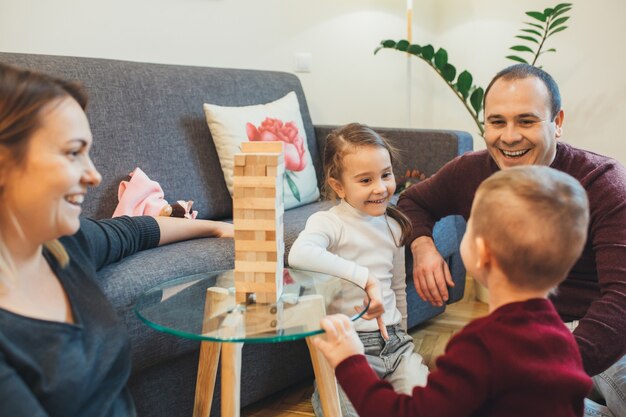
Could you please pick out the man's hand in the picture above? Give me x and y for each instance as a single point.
(376, 308)
(341, 339)
(431, 274)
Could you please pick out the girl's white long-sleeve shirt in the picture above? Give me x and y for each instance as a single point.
(349, 244)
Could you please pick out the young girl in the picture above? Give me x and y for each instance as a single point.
(361, 239)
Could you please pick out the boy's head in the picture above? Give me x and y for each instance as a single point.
(531, 221)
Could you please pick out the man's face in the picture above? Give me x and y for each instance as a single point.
(519, 128)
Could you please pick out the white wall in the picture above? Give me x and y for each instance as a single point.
(348, 83)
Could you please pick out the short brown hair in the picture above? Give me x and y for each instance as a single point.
(534, 219)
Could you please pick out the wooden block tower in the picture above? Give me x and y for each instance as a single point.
(258, 219)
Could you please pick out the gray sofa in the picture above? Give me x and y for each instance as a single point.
(150, 116)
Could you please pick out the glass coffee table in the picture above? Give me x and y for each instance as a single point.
(203, 307)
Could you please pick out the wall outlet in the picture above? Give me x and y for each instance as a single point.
(304, 60)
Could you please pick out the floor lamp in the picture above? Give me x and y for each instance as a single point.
(409, 33)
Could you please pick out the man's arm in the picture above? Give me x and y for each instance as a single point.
(601, 333)
(450, 191)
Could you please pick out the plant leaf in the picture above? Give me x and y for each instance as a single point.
(548, 12)
(441, 59)
(560, 6)
(518, 59)
(292, 186)
(464, 83)
(448, 72)
(528, 38)
(428, 52)
(558, 22)
(535, 25)
(388, 43)
(521, 48)
(414, 49)
(537, 15)
(534, 32)
(476, 99)
(557, 30)
(402, 45)
(560, 12)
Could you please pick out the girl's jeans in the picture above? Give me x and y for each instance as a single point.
(393, 360)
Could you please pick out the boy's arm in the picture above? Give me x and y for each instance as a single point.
(398, 284)
(457, 388)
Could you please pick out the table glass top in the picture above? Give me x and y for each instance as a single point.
(203, 307)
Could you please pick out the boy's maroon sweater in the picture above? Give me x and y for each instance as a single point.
(518, 361)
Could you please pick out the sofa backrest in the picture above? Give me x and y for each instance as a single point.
(150, 116)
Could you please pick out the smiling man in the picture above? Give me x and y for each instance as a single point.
(523, 125)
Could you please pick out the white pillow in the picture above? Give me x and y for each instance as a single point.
(279, 120)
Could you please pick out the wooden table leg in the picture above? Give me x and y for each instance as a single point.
(218, 301)
(231, 379)
(205, 382)
(325, 378)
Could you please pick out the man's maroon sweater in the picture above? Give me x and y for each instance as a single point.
(595, 289)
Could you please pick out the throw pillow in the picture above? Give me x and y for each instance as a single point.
(279, 120)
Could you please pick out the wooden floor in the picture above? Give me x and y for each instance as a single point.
(430, 340)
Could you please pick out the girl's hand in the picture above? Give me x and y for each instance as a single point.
(341, 340)
(376, 308)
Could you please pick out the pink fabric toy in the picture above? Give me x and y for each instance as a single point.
(143, 197)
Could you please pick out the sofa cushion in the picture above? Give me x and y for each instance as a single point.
(279, 120)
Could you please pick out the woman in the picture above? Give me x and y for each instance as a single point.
(63, 352)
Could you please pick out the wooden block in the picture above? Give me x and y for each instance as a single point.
(262, 147)
(238, 192)
(250, 214)
(255, 287)
(240, 160)
(249, 192)
(254, 203)
(271, 256)
(266, 192)
(270, 235)
(238, 171)
(259, 170)
(254, 181)
(252, 257)
(259, 277)
(259, 235)
(245, 224)
(238, 214)
(254, 245)
(248, 170)
(245, 235)
(241, 297)
(244, 266)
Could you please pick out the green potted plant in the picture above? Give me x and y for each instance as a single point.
(534, 34)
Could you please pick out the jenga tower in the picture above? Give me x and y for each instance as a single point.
(258, 219)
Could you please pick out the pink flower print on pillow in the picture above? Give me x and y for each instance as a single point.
(274, 130)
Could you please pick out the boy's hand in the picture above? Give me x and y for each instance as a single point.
(376, 308)
(341, 340)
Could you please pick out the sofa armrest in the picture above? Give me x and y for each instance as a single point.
(426, 150)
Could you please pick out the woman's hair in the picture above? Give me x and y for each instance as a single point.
(347, 139)
(24, 96)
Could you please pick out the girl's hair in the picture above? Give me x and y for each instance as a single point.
(347, 139)
(24, 95)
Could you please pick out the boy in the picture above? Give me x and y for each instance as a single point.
(527, 227)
